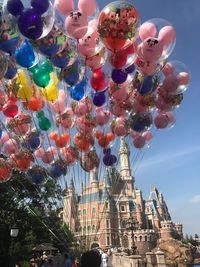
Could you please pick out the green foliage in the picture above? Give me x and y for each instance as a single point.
(34, 210)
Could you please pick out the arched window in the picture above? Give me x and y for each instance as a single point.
(123, 224)
(135, 238)
(145, 238)
(93, 228)
(150, 238)
(84, 229)
(140, 238)
(89, 228)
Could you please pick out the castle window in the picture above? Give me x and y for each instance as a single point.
(84, 212)
(108, 240)
(150, 239)
(122, 208)
(79, 212)
(140, 238)
(107, 223)
(167, 225)
(93, 228)
(106, 205)
(84, 229)
(94, 210)
(89, 228)
(123, 224)
(135, 238)
(145, 238)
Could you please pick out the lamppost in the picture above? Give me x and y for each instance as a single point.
(131, 225)
(14, 231)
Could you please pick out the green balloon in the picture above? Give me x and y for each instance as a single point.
(40, 114)
(47, 66)
(41, 77)
(44, 124)
(34, 69)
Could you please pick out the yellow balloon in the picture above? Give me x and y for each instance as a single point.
(54, 79)
(22, 78)
(25, 92)
(50, 92)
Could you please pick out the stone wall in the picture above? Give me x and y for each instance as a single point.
(151, 259)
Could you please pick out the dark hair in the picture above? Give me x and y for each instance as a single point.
(91, 258)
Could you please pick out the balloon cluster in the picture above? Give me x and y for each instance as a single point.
(74, 80)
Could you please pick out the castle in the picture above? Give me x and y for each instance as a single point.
(113, 213)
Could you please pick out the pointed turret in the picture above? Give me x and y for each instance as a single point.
(124, 154)
(107, 180)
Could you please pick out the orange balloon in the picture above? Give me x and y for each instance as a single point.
(115, 44)
(98, 134)
(110, 136)
(103, 141)
(35, 104)
(53, 135)
(23, 164)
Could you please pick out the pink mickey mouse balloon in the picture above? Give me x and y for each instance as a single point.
(88, 45)
(64, 7)
(120, 126)
(10, 147)
(139, 141)
(82, 107)
(60, 104)
(157, 40)
(66, 119)
(102, 116)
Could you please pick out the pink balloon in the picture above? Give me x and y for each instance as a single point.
(48, 157)
(87, 45)
(119, 126)
(76, 24)
(146, 67)
(117, 110)
(52, 150)
(96, 61)
(118, 92)
(4, 138)
(183, 78)
(69, 154)
(147, 135)
(63, 6)
(171, 118)
(10, 147)
(151, 49)
(170, 83)
(161, 121)
(58, 106)
(102, 116)
(167, 35)
(82, 107)
(139, 142)
(87, 8)
(147, 30)
(66, 119)
(168, 69)
(162, 104)
(39, 152)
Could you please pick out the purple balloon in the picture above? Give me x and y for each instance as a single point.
(119, 76)
(99, 99)
(107, 151)
(15, 7)
(109, 160)
(30, 24)
(40, 5)
(130, 69)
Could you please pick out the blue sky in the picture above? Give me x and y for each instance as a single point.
(172, 162)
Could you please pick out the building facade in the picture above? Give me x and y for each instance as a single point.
(112, 212)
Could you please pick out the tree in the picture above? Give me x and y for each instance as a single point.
(35, 210)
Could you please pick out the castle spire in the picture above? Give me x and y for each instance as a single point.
(124, 154)
(107, 180)
(93, 176)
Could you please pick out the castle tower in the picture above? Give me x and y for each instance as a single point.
(166, 230)
(94, 182)
(70, 211)
(179, 229)
(125, 169)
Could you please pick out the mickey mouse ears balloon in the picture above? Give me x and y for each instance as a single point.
(34, 18)
(118, 23)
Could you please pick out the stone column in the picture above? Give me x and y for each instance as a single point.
(160, 258)
(135, 261)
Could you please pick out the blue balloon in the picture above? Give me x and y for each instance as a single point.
(140, 122)
(71, 74)
(60, 62)
(55, 171)
(49, 50)
(36, 175)
(9, 46)
(24, 55)
(107, 151)
(1, 133)
(77, 92)
(146, 86)
(10, 73)
(34, 142)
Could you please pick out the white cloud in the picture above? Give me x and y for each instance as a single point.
(195, 199)
(171, 156)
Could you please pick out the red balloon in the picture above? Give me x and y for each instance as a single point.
(118, 60)
(10, 109)
(98, 81)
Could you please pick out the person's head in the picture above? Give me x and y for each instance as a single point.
(91, 258)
